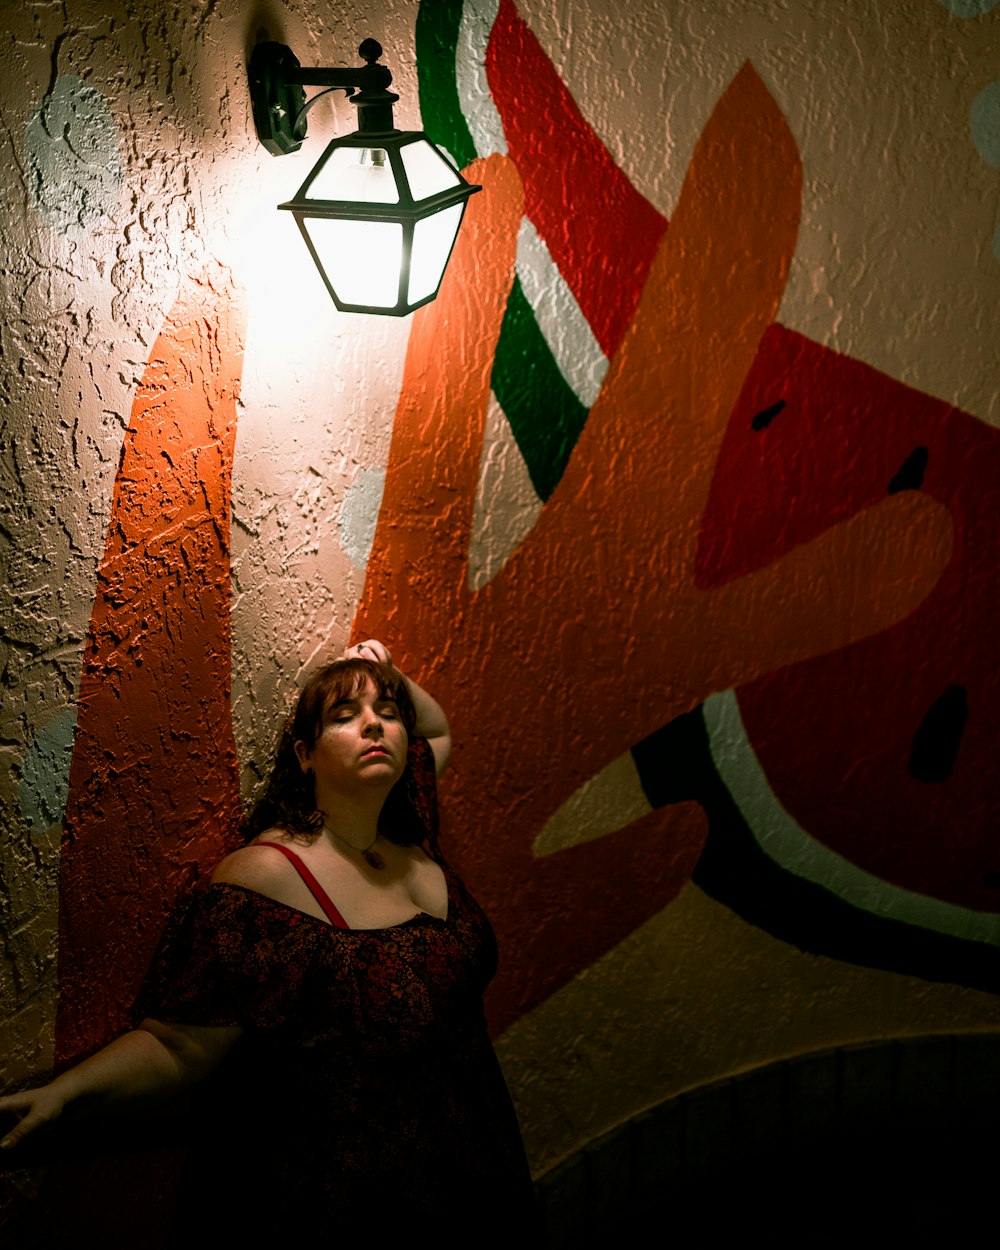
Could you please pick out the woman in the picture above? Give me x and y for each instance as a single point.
(337, 965)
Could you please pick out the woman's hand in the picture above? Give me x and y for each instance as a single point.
(432, 723)
(370, 649)
(139, 1068)
(34, 1108)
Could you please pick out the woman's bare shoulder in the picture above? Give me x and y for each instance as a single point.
(254, 865)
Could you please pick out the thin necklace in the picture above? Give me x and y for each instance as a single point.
(372, 858)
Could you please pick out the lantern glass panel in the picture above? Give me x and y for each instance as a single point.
(362, 175)
(427, 171)
(432, 242)
(362, 259)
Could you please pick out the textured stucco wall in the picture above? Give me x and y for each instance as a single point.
(148, 279)
(131, 164)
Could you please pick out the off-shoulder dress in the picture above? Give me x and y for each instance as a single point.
(364, 1094)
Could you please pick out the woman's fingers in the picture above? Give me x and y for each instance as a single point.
(34, 1108)
(370, 649)
(19, 1131)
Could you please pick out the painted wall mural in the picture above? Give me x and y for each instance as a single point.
(706, 594)
(860, 506)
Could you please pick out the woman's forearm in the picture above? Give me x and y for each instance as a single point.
(140, 1067)
(133, 1068)
(432, 723)
(431, 719)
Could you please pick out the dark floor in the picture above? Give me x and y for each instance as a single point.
(931, 1182)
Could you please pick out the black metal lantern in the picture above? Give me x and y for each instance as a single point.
(381, 208)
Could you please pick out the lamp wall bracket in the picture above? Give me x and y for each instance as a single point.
(279, 102)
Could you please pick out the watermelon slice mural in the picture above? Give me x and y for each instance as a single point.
(830, 784)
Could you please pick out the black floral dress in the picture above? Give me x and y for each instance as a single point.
(364, 1095)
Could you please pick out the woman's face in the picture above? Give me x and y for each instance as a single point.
(362, 743)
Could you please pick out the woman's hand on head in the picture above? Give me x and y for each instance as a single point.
(370, 649)
(34, 1108)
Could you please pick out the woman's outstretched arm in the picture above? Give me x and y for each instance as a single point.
(138, 1068)
(432, 723)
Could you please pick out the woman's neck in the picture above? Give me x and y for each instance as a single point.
(351, 818)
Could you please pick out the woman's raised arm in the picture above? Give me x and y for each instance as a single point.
(139, 1067)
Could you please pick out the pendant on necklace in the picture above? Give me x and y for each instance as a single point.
(372, 858)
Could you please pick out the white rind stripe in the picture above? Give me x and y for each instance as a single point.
(474, 95)
(506, 507)
(558, 315)
(783, 840)
(560, 319)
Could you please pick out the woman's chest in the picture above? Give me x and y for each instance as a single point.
(399, 986)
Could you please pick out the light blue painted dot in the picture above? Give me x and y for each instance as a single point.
(44, 786)
(984, 122)
(359, 514)
(74, 165)
(969, 8)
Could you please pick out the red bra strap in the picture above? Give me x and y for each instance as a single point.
(315, 889)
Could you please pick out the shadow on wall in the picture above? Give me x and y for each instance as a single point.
(265, 22)
(886, 1143)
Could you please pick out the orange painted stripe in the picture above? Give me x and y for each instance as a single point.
(154, 787)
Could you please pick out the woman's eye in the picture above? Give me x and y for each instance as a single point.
(389, 711)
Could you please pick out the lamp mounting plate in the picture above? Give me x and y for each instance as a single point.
(278, 101)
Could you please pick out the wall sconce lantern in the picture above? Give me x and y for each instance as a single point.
(381, 208)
